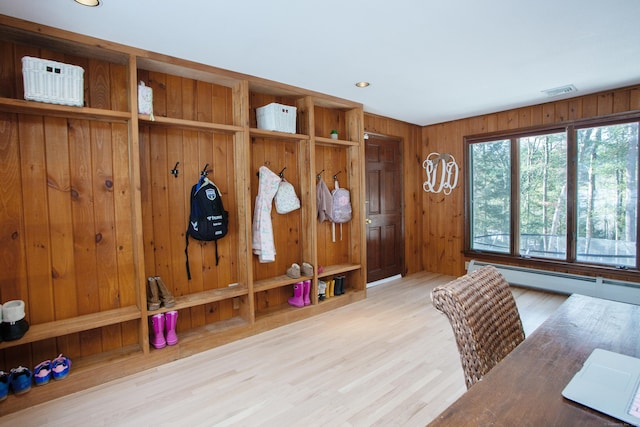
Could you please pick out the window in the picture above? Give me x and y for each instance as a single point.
(491, 196)
(527, 199)
(607, 194)
(543, 193)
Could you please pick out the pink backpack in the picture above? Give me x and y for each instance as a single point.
(341, 211)
(341, 205)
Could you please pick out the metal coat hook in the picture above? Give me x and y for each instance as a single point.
(204, 171)
(318, 176)
(281, 174)
(175, 171)
(335, 177)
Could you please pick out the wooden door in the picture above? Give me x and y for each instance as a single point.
(384, 208)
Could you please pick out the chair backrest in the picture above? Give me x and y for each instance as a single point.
(484, 317)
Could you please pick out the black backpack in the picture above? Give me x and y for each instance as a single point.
(208, 220)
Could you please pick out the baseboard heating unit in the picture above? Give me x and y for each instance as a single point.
(565, 283)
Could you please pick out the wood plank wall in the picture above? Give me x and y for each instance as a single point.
(442, 235)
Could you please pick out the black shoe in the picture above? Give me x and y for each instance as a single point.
(339, 286)
(12, 331)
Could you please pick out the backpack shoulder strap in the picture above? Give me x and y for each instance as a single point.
(192, 198)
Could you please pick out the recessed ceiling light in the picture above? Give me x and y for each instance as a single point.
(362, 84)
(90, 3)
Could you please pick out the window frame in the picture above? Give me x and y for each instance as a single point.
(569, 264)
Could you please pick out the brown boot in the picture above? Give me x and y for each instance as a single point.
(165, 295)
(153, 299)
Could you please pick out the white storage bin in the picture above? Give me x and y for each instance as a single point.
(277, 117)
(52, 82)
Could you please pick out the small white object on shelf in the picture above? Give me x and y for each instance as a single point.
(145, 100)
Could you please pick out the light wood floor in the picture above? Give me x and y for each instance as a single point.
(388, 360)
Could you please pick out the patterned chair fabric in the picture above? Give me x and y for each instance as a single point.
(484, 318)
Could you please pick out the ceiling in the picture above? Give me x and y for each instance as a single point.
(427, 61)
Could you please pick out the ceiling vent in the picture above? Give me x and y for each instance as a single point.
(562, 90)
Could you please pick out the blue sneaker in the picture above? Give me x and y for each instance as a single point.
(5, 380)
(42, 372)
(60, 367)
(21, 380)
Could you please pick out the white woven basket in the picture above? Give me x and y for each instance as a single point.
(52, 82)
(277, 117)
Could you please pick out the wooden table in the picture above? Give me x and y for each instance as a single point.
(524, 389)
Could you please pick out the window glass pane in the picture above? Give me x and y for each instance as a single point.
(543, 196)
(490, 196)
(607, 194)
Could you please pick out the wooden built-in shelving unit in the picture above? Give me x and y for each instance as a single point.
(90, 208)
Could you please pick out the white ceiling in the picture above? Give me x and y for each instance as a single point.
(427, 61)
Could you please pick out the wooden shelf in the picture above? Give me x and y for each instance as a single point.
(348, 297)
(204, 297)
(197, 340)
(32, 107)
(261, 133)
(197, 336)
(81, 323)
(329, 141)
(338, 269)
(277, 310)
(189, 124)
(85, 372)
(285, 313)
(276, 282)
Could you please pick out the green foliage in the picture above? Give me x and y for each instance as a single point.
(491, 189)
(606, 191)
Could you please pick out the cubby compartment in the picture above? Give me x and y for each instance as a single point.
(328, 120)
(82, 346)
(171, 163)
(340, 247)
(333, 241)
(259, 100)
(105, 76)
(199, 323)
(178, 94)
(350, 278)
(64, 234)
(286, 159)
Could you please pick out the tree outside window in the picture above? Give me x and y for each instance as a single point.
(525, 201)
(607, 194)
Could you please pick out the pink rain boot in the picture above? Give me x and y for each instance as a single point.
(306, 289)
(171, 322)
(157, 326)
(296, 299)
